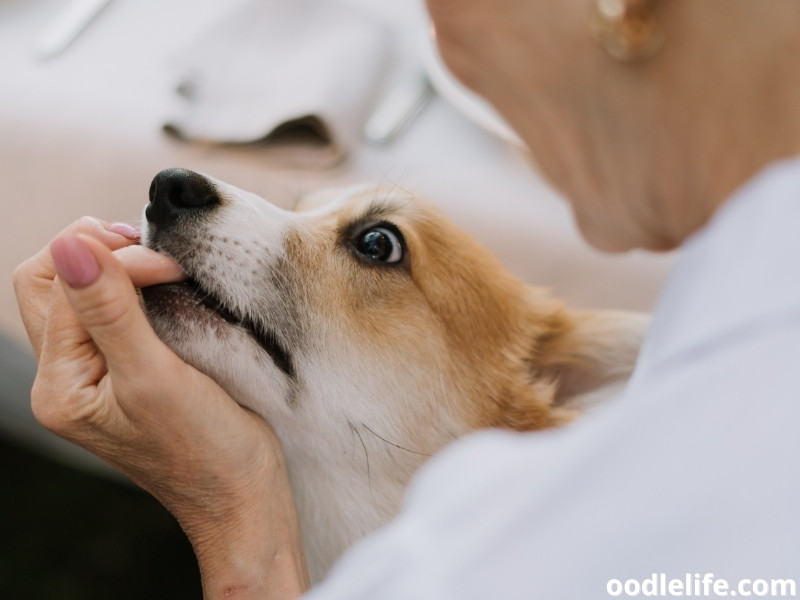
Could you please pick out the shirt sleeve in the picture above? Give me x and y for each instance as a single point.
(456, 531)
(692, 473)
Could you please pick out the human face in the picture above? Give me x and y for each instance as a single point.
(617, 140)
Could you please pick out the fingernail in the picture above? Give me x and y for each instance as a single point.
(74, 260)
(128, 231)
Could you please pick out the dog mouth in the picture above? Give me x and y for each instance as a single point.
(196, 298)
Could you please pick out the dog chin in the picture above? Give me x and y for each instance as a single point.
(198, 331)
(180, 304)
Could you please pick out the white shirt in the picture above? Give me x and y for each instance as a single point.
(694, 471)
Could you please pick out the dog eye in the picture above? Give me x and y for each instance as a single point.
(380, 244)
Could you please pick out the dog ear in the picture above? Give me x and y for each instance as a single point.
(589, 350)
(568, 360)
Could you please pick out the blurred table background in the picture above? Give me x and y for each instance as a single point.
(82, 133)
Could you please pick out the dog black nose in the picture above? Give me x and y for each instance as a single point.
(175, 192)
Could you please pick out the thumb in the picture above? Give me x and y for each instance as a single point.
(105, 302)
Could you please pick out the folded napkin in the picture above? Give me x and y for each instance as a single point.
(298, 77)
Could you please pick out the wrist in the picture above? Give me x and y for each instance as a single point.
(252, 551)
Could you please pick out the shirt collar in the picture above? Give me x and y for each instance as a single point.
(743, 267)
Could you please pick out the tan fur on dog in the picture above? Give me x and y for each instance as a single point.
(367, 367)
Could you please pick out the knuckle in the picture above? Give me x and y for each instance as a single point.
(87, 224)
(107, 309)
(46, 409)
(21, 276)
(63, 409)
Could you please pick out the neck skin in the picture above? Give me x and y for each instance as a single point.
(644, 152)
(676, 136)
(729, 107)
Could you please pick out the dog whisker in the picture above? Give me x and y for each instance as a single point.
(354, 429)
(392, 443)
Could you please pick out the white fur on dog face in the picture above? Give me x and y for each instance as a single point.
(362, 381)
(364, 369)
(236, 256)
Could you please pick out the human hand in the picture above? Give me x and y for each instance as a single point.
(107, 383)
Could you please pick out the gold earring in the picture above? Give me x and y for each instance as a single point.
(628, 29)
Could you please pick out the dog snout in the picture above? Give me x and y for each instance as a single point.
(175, 192)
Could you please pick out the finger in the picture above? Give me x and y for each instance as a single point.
(33, 279)
(105, 302)
(70, 368)
(114, 235)
(148, 267)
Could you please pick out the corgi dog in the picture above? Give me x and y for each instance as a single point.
(370, 332)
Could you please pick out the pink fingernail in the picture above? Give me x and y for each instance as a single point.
(74, 260)
(128, 231)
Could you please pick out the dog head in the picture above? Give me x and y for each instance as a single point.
(367, 329)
